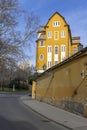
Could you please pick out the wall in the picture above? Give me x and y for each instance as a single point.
(66, 84)
(60, 40)
(34, 90)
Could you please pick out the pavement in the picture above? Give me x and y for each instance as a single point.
(60, 116)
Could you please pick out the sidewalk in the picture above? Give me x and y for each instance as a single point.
(57, 115)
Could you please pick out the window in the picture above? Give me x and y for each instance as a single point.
(63, 58)
(49, 64)
(49, 48)
(56, 35)
(63, 33)
(63, 52)
(50, 34)
(63, 48)
(41, 57)
(56, 50)
(56, 62)
(41, 43)
(75, 50)
(56, 23)
(49, 56)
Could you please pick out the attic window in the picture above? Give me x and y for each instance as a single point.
(56, 23)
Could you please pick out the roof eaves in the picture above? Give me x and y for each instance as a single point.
(59, 15)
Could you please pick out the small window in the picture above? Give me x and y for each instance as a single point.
(49, 34)
(56, 50)
(56, 62)
(42, 43)
(63, 58)
(49, 64)
(63, 48)
(75, 50)
(63, 33)
(56, 23)
(41, 57)
(56, 35)
(49, 48)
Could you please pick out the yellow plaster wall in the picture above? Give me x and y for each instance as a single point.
(67, 78)
(60, 41)
(34, 90)
(41, 51)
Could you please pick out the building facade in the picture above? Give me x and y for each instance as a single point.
(55, 43)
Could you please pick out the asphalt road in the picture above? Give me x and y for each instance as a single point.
(16, 116)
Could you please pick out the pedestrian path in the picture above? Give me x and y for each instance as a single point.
(57, 115)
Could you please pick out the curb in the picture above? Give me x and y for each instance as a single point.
(22, 100)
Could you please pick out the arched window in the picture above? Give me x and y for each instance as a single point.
(56, 50)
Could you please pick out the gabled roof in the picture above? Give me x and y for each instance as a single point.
(42, 29)
(76, 38)
(64, 21)
(57, 14)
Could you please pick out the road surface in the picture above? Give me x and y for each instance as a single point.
(14, 115)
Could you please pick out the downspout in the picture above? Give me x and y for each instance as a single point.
(69, 40)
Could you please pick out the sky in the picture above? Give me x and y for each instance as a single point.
(74, 12)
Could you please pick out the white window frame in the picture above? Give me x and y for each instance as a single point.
(63, 33)
(56, 55)
(75, 50)
(49, 64)
(56, 24)
(49, 56)
(50, 34)
(63, 52)
(63, 48)
(41, 43)
(55, 62)
(55, 50)
(49, 49)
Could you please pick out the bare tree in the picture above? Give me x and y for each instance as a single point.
(13, 41)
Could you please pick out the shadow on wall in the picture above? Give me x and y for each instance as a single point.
(48, 87)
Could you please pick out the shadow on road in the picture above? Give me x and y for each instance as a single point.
(15, 125)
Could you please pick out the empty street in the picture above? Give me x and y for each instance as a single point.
(14, 115)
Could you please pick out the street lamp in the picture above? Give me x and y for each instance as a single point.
(83, 73)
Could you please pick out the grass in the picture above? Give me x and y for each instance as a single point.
(11, 90)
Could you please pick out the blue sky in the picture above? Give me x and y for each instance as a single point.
(74, 12)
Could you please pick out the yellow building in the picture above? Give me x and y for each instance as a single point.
(55, 43)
